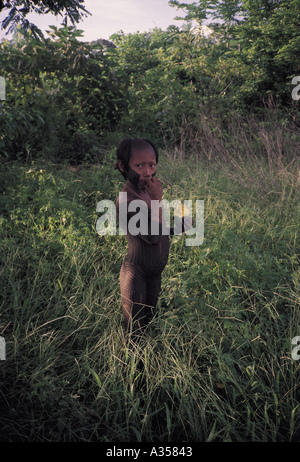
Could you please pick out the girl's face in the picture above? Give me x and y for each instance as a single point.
(143, 162)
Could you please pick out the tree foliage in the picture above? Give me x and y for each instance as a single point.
(64, 95)
(261, 37)
(17, 11)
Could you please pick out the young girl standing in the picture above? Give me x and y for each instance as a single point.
(140, 276)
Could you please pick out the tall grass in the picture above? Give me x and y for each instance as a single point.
(214, 365)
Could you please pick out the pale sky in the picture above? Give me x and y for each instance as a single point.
(110, 16)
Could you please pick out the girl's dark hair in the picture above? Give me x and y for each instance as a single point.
(126, 147)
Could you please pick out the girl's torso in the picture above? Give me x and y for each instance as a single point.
(142, 252)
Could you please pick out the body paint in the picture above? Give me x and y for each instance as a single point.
(133, 176)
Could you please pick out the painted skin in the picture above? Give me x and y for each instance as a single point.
(140, 275)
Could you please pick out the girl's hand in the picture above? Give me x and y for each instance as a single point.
(154, 189)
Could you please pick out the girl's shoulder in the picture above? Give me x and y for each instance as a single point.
(130, 195)
(127, 197)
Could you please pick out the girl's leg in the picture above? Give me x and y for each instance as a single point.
(133, 296)
(153, 290)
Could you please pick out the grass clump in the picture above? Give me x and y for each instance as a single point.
(214, 365)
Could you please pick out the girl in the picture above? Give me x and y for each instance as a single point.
(140, 276)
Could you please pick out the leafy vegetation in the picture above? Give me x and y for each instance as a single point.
(66, 97)
(61, 96)
(19, 9)
(216, 363)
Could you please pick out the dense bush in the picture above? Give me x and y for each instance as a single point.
(62, 96)
(65, 95)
